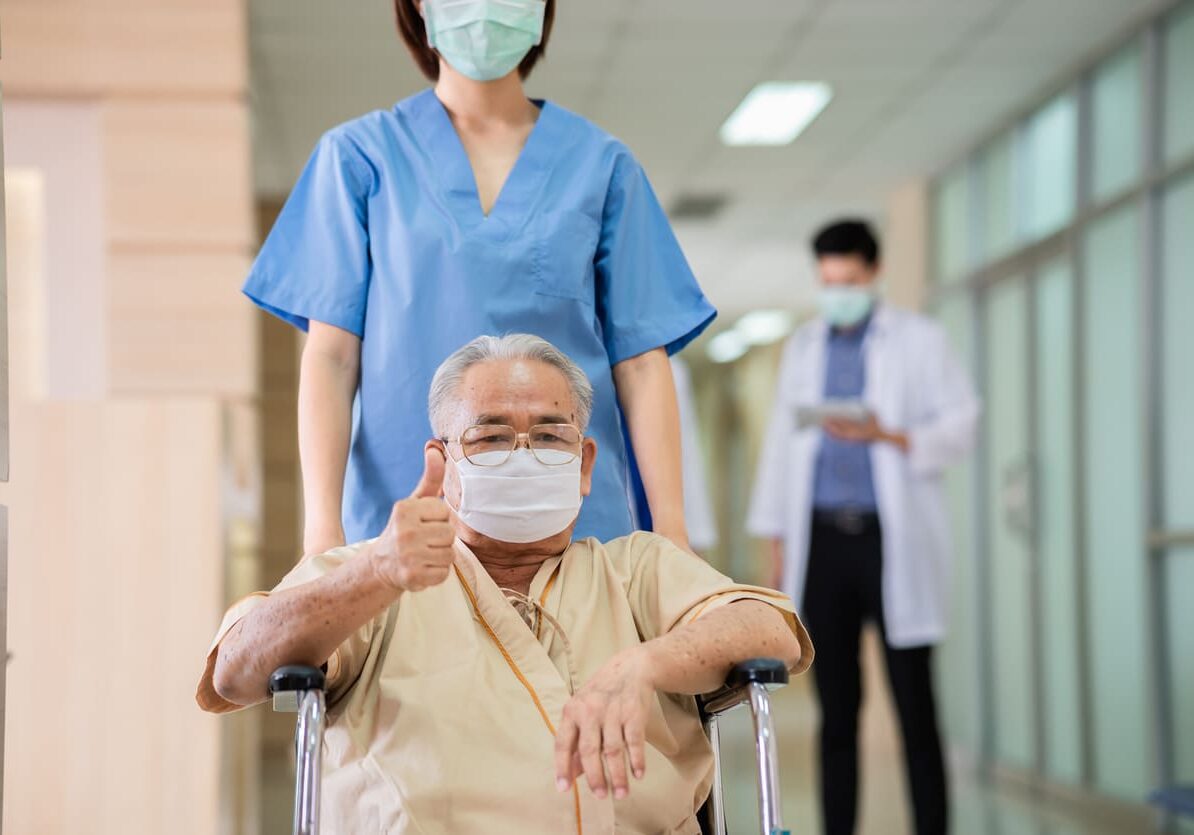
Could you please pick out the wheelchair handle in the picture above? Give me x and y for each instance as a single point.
(296, 687)
(295, 677)
(770, 672)
(749, 683)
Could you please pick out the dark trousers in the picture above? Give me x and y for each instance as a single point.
(843, 589)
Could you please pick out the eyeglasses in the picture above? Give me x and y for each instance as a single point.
(491, 445)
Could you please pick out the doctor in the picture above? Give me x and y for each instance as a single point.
(467, 209)
(855, 511)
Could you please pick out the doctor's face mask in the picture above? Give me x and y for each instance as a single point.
(848, 289)
(484, 39)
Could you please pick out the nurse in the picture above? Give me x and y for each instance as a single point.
(469, 209)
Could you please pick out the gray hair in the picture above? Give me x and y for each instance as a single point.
(514, 346)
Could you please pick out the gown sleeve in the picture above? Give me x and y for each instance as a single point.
(343, 665)
(647, 296)
(669, 587)
(315, 263)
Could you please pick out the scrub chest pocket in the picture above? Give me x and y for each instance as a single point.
(565, 251)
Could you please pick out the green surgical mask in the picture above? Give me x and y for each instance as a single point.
(484, 39)
(845, 307)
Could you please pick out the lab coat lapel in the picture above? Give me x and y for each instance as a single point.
(807, 388)
(878, 359)
(883, 397)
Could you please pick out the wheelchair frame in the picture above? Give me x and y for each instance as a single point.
(301, 689)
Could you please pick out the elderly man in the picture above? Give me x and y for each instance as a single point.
(479, 661)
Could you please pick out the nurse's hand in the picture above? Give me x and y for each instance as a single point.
(415, 550)
(605, 724)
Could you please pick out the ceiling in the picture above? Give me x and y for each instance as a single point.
(916, 83)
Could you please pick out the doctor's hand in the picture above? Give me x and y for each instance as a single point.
(415, 550)
(864, 432)
(605, 725)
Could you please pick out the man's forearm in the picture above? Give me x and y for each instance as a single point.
(696, 658)
(301, 625)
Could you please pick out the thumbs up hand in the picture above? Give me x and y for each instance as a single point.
(415, 550)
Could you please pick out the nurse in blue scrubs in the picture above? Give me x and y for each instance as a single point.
(468, 209)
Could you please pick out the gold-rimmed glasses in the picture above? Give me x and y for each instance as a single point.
(491, 445)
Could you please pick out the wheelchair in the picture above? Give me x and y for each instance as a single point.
(301, 689)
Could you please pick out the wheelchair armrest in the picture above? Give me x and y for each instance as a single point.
(771, 673)
(286, 683)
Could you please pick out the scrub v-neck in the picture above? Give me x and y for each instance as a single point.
(511, 209)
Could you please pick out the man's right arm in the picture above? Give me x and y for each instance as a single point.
(306, 623)
(300, 625)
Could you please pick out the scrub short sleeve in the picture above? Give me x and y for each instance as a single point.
(647, 296)
(315, 263)
(670, 587)
(343, 666)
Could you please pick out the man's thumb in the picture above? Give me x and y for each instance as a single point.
(431, 485)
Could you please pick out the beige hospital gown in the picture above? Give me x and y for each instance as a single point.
(443, 709)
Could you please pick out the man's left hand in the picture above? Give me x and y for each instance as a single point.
(605, 725)
(866, 431)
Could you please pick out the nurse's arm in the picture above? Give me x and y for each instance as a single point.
(647, 394)
(327, 385)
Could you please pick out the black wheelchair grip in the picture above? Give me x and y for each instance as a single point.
(766, 671)
(296, 677)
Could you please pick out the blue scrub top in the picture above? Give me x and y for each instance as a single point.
(383, 236)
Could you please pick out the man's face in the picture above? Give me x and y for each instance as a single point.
(518, 393)
(846, 271)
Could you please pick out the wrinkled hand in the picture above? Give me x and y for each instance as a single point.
(605, 724)
(415, 550)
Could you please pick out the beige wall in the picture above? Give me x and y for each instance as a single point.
(906, 245)
(135, 485)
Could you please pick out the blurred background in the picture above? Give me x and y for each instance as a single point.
(1030, 166)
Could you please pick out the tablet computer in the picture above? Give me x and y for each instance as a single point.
(816, 414)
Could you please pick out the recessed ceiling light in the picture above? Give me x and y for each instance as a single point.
(776, 112)
(727, 346)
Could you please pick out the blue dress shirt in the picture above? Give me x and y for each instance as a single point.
(842, 477)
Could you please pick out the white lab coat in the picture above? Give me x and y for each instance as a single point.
(914, 384)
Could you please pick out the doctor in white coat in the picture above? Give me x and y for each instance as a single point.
(855, 508)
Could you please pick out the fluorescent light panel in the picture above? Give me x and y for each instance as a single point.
(762, 327)
(727, 346)
(776, 112)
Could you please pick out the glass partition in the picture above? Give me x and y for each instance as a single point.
(1113, 512)
(1117, 124)
(1051, 166)
(1178, 104)
(1054, 470)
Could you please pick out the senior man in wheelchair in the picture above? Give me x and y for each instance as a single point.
(479, 661)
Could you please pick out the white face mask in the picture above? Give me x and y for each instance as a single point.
(521, 500)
